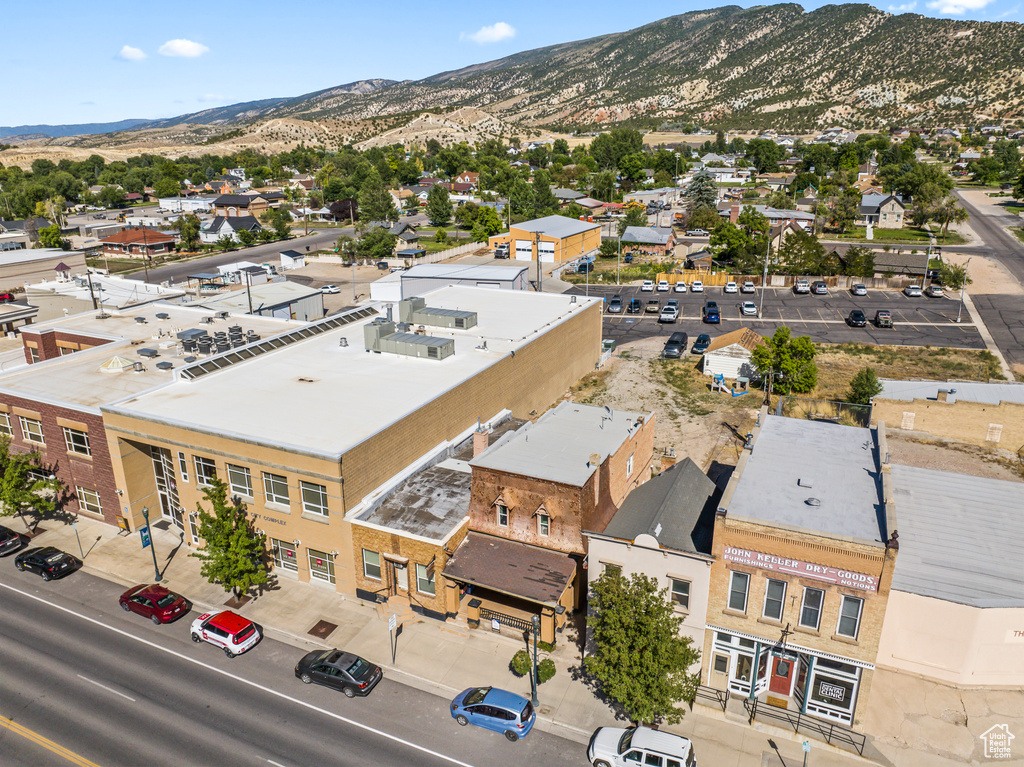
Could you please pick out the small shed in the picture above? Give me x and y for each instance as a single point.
(729, 354)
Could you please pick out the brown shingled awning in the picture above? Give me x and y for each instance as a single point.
(517, 569)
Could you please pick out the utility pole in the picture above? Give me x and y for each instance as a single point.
(540, 270)
(248, 289)
(764, 277)
(963, 287)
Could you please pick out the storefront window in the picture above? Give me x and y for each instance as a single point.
(321, 566)
(284, 555)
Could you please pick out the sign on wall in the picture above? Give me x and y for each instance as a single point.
(802, 569)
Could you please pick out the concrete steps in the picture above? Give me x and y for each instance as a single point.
(457, 626)
(401, 608)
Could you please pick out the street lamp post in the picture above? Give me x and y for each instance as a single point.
(535, 619)
(764, 276)
(152, 547)
(963, 286)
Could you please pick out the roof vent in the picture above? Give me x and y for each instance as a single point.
(148, 353)
(805, 482)
(163, 316)
(164, 365)
(141, 320)
(815, 502)
(342, 341)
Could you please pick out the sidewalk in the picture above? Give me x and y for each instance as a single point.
(431, 658)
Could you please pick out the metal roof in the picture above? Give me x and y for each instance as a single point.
(841, 464)
(558, 447)
(968, 391)
(556, 226)
(959, 538)
(464, 272)
(649, 235)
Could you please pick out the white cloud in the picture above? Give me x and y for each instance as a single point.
(207, 97)
(1011, 12)
(185, 49)
(128, 53)
(957, 7)
(491, 34)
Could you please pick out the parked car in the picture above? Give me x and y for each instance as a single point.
(912, 291)
(627, 259)
(10, 541)
(701, 344)
(615, 305)
(730, 287)
(883, 318)
(697, 233)
(669, 314)
(227, 630)
(382, 265)
(935, 291)
(647, 286)
(857, 319)
(675, 346)
(635, 306)
(859, 290)
(820, 288)
(680, 286)
(496, 710)
(330, 289)
(339, 670)
(47, 561)
(618, 747)
(710, 313)
(653, 306)
(696, 286)
(748, 309)
(748, 287)
(585, 268)
(801, 286)
(663, 286)
(154, 602)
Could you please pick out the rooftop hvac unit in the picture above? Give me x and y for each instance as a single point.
(416, 311)
(164, 365)
(148, 353)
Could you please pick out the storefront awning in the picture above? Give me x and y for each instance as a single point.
(517, 569)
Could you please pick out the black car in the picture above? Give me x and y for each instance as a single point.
(675, 346)
(701, 344)
(340, 670)
(635, 306)
(857, 319)
(615, 305)
(48, 561)
(10, 541)
(710, 313)
(585, 267)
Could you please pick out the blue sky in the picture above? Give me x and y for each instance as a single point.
(77, 62)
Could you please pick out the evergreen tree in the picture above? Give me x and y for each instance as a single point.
(702, 192)
(439, 206)
(233, 552)
(640, 659)
(544, 201)
(375, 203)
(863, 387)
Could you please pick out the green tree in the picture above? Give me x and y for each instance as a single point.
(485, 224)
(166, 187)
(986, 170)
(1018, 188)
(863, 387)
(544, 201)
(246, 238)
(188, 229)
(860, 262)
(640, 660)
(376, 244)
(786, 363)
(954, 276)
(949, 211)
(49, 237)
(704, 218)
(226, 242)
(375, 203)
(801, 253)
(765, 154)
(439, 206)
(609, 247)
(635, 216)
(22, 486)
(701, 191)
(233, 551)
(845, 209)
(111, 196)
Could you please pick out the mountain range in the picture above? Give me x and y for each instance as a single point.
(772, 66)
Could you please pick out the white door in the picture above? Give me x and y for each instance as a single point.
(547, 252)
(401, 571)
(524, 250)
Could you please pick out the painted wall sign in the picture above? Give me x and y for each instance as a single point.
(802, 569)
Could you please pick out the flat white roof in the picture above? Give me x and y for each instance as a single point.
(320, 397)
(463, 272)
(22, 255)
(110, 291)
(264, 295)
(556, 226)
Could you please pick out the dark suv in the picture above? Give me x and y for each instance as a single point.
(710, 313)
(675, 346)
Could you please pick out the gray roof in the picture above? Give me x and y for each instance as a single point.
(464, 272)
(431, 503)
(901, 263)
(842, 465)
(647, 235)
(567, 194)
(960, 537)
(558, 447)
(968, 391)
(668, 508)
(556, 226)
(870, 203)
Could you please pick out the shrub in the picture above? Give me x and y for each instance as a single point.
(545, 670)
(521, 663)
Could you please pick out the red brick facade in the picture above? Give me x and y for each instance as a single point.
(48, 344)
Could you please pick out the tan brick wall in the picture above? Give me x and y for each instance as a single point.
(970, 422)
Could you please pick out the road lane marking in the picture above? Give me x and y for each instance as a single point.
(325, 712)
(108, 689)
(46, 743)
(276, 764)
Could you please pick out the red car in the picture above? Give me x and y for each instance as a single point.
(155, 602)
(6, 298)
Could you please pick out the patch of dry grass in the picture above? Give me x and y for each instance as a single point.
(589, 389)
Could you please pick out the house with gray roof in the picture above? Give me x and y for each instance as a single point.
(664, 531)
(882, 210)
(566, 195)
(647, 239)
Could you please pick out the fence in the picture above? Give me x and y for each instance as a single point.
(519, 625)
(829, 732)
(713, 695)
(430, 258)
(844, 413)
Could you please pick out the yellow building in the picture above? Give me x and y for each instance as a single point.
(555, 238)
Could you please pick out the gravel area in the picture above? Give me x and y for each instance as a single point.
(928, 452)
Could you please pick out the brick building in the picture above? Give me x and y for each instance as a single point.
(553, 239)
(229, 205)
(802, 568)
(138, 243)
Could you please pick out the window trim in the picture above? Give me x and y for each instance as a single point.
(672, 580)
(321, 490)
(183, 466)
(26, 434)
(271, 496)
(84, 505)
(544, 525)
(629, 465)
(231, 484)
(432, 581)
(498, 506)
(782, 599)
(70, 444)
(857, 619)
(803, 606)
(5, 424)
(200, 463)
(732, 588)
(380, 571)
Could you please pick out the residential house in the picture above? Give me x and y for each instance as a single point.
(729, 354)
(230, 226)
(142, 242)
(468, 177)
(775, 216)
(565, 196)
(230, 205)
(647, 239)
(882, 210)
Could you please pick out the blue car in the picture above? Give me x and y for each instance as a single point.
(496, 710)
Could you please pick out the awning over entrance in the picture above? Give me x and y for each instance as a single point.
(512, 568)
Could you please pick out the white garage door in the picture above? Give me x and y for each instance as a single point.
(524, 250)
(547, 252)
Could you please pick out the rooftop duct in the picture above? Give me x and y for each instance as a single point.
(380, 336)
(415, 311)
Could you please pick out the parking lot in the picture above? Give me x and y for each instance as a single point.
(916, 321)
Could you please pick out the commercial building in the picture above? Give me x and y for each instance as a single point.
(804, 556)
(309, 425)
(68, 296)
(423, 278)
(22, 267)
(137, 243)
(286, 300)
(553, 239)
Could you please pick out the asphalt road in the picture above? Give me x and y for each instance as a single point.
(916, 321)
(112, 689)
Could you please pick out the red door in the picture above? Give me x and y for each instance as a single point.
(782, 676)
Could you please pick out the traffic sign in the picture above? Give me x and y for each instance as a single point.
(392, 623)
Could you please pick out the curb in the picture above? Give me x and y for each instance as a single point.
(990, 343)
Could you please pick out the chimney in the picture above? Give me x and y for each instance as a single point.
(667, 462)
(734, 213)
(481, 438)
(595, 459)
